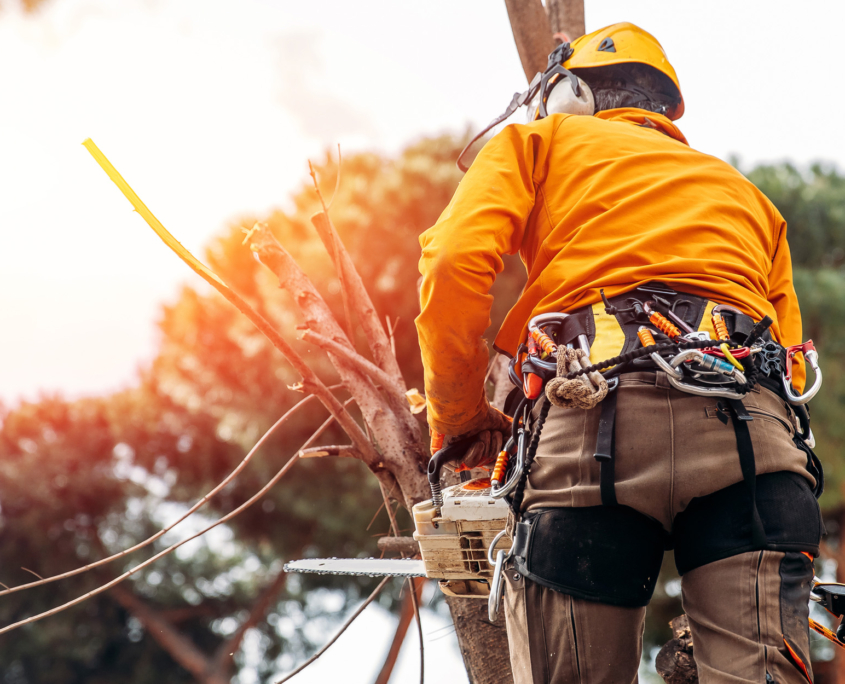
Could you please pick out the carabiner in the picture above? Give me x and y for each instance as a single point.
(496, 585)
(812, 357)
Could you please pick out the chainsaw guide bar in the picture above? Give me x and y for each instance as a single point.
(367, 567)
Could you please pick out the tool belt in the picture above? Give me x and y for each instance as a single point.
(593, 334)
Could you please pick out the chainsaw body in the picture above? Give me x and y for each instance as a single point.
(455, 540)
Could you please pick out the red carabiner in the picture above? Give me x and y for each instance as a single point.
(791, 352)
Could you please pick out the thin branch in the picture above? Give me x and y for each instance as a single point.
(360, 299)
(391, 516)
(343, 628)
(342, 451)
(370, 369)
(391, 333)
(416, 584)
(240, 509)
(281, 421)
(406, 613)
(32, 572)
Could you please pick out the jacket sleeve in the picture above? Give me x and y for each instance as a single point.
(784, 300)
(461, 256)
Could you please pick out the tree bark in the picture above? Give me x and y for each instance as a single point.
(566, 17)
(484, 645)
(532, 34)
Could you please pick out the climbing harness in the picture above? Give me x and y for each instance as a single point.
(660, 328)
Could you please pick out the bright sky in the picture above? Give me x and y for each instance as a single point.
(210, 109)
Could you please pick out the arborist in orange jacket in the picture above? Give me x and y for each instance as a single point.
(624, 227)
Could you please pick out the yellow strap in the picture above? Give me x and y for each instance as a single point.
(707, 321)
(610, 339)
(147, 215)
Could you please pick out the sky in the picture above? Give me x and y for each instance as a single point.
(211, 108)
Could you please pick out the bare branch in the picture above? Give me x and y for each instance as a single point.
(360, 300)
(342, 451)
(231, 476)
(396, 431)
(416, 584)
(343, 628)
(532, 34)
(370, 369)
(180, 648)
(240, 509)
(406, 546)
(391, 516)
(334, 249)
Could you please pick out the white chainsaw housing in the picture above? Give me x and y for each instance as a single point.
(454, 544)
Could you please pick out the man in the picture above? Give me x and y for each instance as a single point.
(617, 204)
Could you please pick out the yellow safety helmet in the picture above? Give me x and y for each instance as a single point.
(624, 43)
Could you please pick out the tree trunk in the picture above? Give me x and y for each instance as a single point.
(484, 645)
(536, 30)
(532, 34)
(566, 17)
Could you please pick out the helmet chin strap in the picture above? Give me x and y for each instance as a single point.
(542, 85)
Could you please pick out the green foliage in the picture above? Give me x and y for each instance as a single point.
(813, 203)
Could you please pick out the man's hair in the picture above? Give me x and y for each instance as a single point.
(630, 85)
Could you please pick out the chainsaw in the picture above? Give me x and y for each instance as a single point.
(458, 531)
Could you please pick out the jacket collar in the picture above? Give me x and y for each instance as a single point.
(644, 119)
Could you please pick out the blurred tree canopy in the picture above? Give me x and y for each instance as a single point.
(82, 479)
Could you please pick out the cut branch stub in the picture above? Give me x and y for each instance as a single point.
(360, 300)
(343, 450)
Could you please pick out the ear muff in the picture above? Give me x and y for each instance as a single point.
(563, 95)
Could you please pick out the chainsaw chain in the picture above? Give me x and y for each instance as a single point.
(290, 568)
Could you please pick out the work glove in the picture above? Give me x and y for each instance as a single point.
(490, 435)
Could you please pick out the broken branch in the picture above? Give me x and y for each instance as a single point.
(309, 377)
(360, 299)
(370, 369)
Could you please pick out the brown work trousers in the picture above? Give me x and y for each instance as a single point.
(670, 447)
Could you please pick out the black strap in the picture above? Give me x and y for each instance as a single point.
(605, 449)
(747, 464)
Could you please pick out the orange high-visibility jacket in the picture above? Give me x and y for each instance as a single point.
(610, 201)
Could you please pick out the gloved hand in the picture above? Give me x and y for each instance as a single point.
(490, 434)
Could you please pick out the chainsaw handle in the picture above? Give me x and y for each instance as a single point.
(451, 452)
